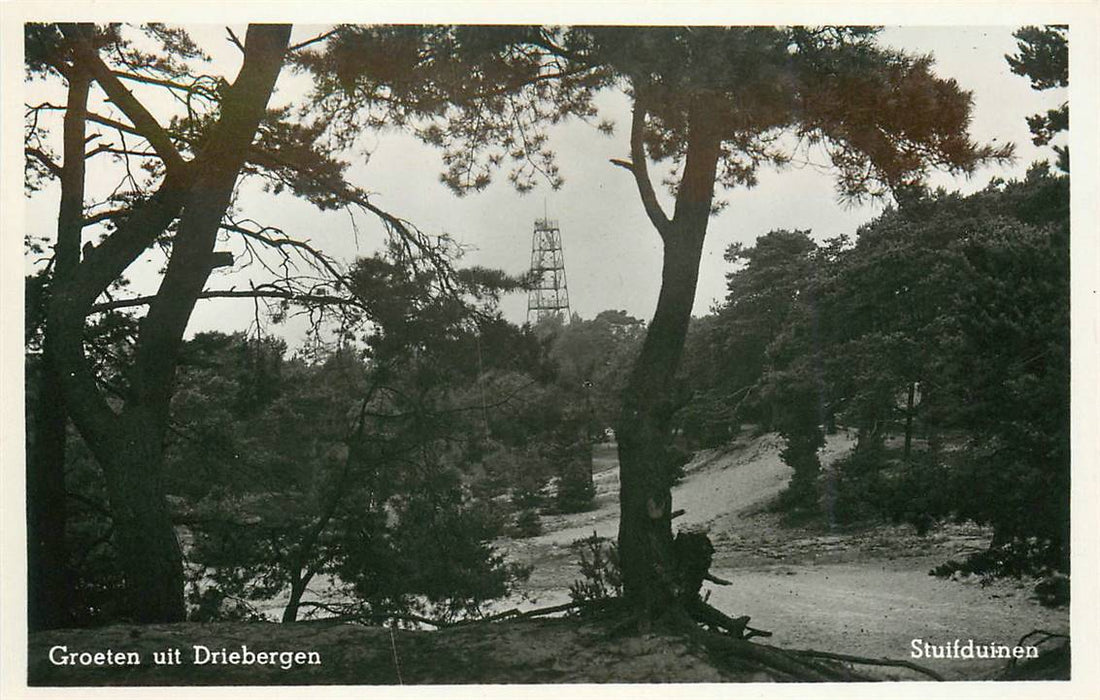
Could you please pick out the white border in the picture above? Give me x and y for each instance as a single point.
(1085, 62)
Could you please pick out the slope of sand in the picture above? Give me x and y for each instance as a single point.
(862, 591)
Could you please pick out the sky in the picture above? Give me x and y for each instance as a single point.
(612, 253)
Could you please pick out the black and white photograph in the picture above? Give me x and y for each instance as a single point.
(506, 345)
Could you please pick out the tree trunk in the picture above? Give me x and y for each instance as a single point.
(297, 590)
(144, 536)
(48, 581)
(909, 420)
(645, 527)
(48, 575)
(129, 445)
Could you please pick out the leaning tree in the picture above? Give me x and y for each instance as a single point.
(175, 193)
(190, 201)
(715, 103)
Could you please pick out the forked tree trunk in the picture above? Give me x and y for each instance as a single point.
(649, 568)
(129, 445)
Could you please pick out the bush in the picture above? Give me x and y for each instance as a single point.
(800, 454)
(860, 486)
(603, 578)
(528, 523)
(874, 482)
(1016, 558)
(576, 492)
(524, 499)
(1053, 590)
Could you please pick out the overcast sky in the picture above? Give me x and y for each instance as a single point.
(611, 252)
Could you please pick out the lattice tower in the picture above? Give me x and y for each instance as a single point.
(549, 296)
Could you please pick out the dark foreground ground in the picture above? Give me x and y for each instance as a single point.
(516, 652)
(528, 651)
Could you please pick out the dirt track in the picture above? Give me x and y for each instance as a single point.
(859, 591)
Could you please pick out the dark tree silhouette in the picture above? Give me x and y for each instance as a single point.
(128, 443)
(1043, 58)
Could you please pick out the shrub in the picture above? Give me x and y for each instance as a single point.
(800, 454)
(524, 499)
(860, 489)
(576, 492)
(603, 578)
(528, 523)
(1016, 558)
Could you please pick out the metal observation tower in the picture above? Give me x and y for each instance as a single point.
(549, 295)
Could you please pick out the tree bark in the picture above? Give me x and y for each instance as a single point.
(48, 579)
(645, 527)
(909, 420)
(144, 535)
(297, 590)
(48, 574)
(129, 445)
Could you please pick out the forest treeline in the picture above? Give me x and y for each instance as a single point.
(939, 335)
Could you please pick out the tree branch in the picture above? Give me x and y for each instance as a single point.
(41, 156)
(408, 235)
(108, 148)
(458, 409)
(146, 124)
(217, 167)
(343, 615)
(516, 613)
(544, 41)
(194, 88)
(637, 166)
(257, 293)
(114, 124)
(234, 40)
(868, 661)
(306, 250)
(104, 216)
(314, 40)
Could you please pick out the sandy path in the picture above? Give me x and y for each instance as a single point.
(876, 611)
(865, 593)
(717, 483)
